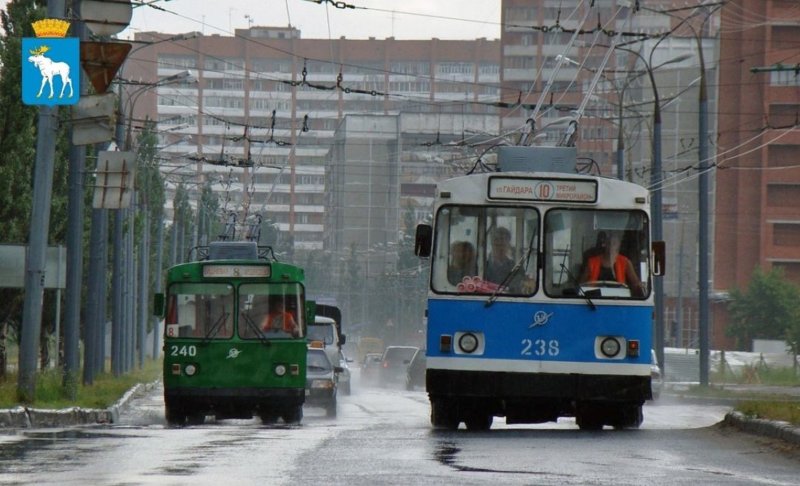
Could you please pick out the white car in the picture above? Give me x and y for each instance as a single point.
(656, 379)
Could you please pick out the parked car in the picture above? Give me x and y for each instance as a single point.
(370, 368)
(415, 376)
(344, 375)
(656, 379)
(394, 364)
(321, 381)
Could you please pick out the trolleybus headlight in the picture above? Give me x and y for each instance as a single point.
(610, 347)
(468, 342)
(280, 370)
(190, 369)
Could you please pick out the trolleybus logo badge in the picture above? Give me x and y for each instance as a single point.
(49, 57)
(233, 353)
(540, 319)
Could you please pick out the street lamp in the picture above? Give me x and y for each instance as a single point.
(133, 97)
(655, 184)
(620, 92)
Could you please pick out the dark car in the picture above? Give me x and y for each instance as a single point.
(321, 381)
(394, 364)
(370, 368)
(415, 376)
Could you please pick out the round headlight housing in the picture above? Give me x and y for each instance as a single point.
(190, 369)
(468, 342)
(610, 347)
(280, 370)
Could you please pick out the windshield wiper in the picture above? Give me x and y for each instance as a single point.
(580, 288)
(216, 327)
(252, 326)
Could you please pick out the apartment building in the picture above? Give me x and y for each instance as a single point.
(757, 222)
(259, 114)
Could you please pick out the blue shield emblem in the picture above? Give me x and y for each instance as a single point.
(51, 71)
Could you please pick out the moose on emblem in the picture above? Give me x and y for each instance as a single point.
(49, 68)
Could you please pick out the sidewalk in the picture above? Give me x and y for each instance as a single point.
(767, 428)
(25, 417)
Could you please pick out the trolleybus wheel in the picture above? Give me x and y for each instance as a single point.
(293, 415)
(175, 416)
(443, 415)
(479, 421)
(196, 418)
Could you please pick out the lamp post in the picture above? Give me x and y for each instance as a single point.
(122, 320)
(655, 183)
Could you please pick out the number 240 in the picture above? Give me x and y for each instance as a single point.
(539, 347)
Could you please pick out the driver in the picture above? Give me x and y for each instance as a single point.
(612, 267)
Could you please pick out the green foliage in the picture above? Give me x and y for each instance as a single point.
(105, 391)
(768, 309)
(784, 410)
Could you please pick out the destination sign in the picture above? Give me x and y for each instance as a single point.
(538, 189)
(244, 271)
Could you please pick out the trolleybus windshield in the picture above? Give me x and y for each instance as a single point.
(596, 254)
(200, 310)
(485, 250)
(271, 310)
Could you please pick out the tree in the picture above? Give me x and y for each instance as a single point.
(18, 148)
(768, 309)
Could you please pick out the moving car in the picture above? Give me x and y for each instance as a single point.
(370, 368)
(394, 364)
(344, 375)
(656, 379)
(415, 376)
(321, 381)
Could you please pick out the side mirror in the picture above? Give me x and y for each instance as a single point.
(158, 305)
(338, 369)
(342, 339)
(423, 240)
(311, 310)
(659, 263)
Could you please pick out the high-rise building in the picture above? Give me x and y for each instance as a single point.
(259, 116)
(757, 220)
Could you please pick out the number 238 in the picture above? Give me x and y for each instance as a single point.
(539, 347)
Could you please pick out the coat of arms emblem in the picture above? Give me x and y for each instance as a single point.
(50, 65)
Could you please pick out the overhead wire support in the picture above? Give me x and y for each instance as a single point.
(569, 137)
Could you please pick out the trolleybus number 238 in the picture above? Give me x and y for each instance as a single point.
(539, 347)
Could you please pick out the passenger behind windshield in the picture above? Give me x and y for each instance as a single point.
(462, 262)
(606, 264)
(499, 263)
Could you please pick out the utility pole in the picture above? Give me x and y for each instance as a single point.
(46, 136)
(77, 162)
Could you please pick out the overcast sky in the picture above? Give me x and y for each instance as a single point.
(411, 19)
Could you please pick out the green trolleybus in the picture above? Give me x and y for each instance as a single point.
(226, 353)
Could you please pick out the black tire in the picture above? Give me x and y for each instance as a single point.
(293, 415)
(443, 415)
(268, 418)
(478, 421)
(196, 418)
(589, 418)
(175, 416)
(330, 409)
(631, 417)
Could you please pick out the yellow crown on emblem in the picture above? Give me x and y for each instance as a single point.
(50, 28)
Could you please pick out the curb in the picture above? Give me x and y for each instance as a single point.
(767, 428)
(25, 417)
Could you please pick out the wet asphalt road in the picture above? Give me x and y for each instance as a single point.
(383, 436)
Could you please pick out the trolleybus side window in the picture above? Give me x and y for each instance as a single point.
(202, 311)
(270, 311)
(485, 250)
(596, 254)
